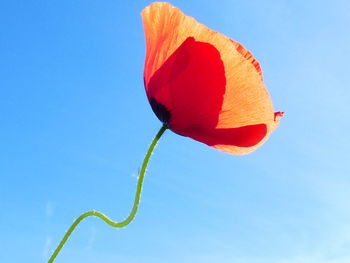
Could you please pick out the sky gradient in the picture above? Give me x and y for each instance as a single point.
(75, 124)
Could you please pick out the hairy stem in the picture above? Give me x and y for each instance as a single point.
(104, 217)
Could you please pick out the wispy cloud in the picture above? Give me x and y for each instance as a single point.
(135, 175)
(92, 238)
(49, 209)
(46, 248)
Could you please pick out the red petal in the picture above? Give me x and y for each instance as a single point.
(203, 84)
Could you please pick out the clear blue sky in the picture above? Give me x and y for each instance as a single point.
(75, 124)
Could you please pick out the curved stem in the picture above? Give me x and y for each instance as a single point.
(104, 217)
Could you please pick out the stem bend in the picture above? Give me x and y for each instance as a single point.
(106, 219)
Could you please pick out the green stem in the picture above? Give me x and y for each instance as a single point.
(105, 218)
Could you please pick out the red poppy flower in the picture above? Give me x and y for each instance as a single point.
(203, 85)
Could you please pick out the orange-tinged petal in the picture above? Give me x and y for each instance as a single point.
(204, 85)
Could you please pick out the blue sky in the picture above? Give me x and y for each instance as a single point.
(75, 125)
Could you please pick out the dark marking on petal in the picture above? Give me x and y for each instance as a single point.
(161, 111)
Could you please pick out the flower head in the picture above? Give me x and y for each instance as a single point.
(203, 85)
